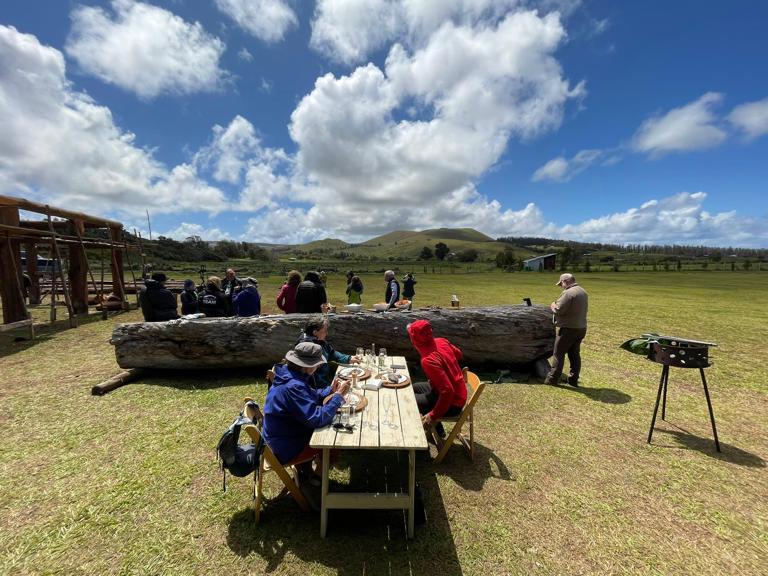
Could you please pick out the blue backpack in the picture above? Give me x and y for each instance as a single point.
(239, 459)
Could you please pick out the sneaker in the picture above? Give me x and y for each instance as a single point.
(573, 381)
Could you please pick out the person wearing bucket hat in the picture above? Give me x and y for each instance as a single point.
(157, 302)
(570, 315)
(247, 302)
(293, 408)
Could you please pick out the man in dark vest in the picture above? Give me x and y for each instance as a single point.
(392, 294)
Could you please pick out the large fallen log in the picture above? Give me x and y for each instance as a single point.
(498, 336)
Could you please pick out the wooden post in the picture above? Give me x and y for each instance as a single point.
(34, 276)
(58, 269)
(116, 263)
(11, 284)
(78, 270)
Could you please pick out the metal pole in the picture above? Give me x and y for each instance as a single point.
(664, 372)
(709, 404)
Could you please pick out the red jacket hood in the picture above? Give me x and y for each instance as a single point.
(422, 337)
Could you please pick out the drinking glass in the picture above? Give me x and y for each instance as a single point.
(382, 358)
(359, 352)
(344, 418)
(386, 404)
(368, 355)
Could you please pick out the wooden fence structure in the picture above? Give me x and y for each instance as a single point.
(60, 233)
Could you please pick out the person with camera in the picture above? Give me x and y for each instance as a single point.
(408, 291)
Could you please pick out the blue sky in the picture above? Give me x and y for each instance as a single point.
(286, 121)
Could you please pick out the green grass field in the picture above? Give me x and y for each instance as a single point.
(563, 481)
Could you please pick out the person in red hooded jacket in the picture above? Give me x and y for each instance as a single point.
(445, 393)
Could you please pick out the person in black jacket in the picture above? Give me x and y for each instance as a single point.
(189, 298)
(310, 296)
(158, 304)
(213, 303)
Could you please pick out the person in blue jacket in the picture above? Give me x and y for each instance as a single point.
(316, 331)
(293, 408)
(247, 302)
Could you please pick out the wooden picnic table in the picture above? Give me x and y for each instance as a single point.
(389, 421)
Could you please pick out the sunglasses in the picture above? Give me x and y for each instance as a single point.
(343, 427)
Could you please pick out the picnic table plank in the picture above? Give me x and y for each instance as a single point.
(413, 431)
(369, 428)
(390, 427)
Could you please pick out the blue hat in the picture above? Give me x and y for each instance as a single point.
(188, 283)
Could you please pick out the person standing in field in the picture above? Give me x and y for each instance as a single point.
(408, 291)
(231, 285)
(355, 291)
(310, 295)
(286, 298)
(392, 293)
(351, 278)
(570, 312)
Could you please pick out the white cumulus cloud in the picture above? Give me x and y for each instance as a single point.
(690, 127)
(188, 229)
(751, 118)
(434, 120)
(562, 170)
(677, 219)
(60, 146)
(348, 31)
(267, 20)
(145, 49)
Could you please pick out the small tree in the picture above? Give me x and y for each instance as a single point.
(468, 255)
(426, 253)
(441, 251)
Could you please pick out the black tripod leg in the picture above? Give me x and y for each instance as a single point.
(709, 404)
(658, 399)
(664, 399)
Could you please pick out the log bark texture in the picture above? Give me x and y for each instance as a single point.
(487, 336)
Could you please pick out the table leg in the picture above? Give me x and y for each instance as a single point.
(709, 404)
(664, 399)
(323, 501)
(411, 490)
(664, 372)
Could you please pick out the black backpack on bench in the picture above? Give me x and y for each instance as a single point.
(239, 459)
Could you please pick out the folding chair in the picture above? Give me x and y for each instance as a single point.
(269, 463)
(467, 415)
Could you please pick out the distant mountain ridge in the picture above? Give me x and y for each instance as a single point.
(402, 244)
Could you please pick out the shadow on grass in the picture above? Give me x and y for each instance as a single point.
(606, 395)
(18, 340)
(204, 379)
(358, 541)
(706, 446)
(472, 474)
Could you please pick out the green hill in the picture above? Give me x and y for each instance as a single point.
(400, 244)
